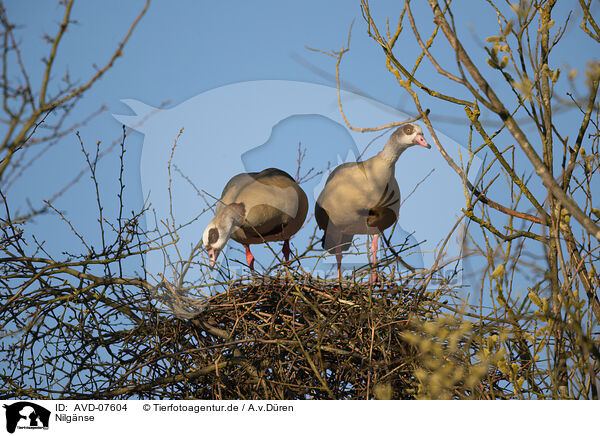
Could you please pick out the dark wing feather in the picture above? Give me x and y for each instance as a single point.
(269, 172)
(332, 238)
(381, 218)
(321, 216)
(382, 215)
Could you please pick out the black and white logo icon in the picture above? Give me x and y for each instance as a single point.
(26, 415)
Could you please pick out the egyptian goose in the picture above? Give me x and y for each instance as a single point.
(363, 197)
(255, 208)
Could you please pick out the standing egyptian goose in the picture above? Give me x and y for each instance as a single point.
(363, 197)
(255, 208)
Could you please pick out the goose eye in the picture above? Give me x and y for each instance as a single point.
(408, 129)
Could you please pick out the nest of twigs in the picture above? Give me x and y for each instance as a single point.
(293, 337)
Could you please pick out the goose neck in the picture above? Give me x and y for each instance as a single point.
(391, 152)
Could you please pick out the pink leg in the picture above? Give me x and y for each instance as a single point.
(338, 258)
(286, 250)
(249, 257)
(374, 258)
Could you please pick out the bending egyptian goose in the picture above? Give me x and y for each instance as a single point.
(255, 208)
(363, 197)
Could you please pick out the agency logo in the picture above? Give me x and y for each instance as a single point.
(27, 416)
(193, 149)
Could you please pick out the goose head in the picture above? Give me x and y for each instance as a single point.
(219, 230)
(403, 137)
(408, 135)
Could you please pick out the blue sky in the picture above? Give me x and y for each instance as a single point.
(183, 49)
